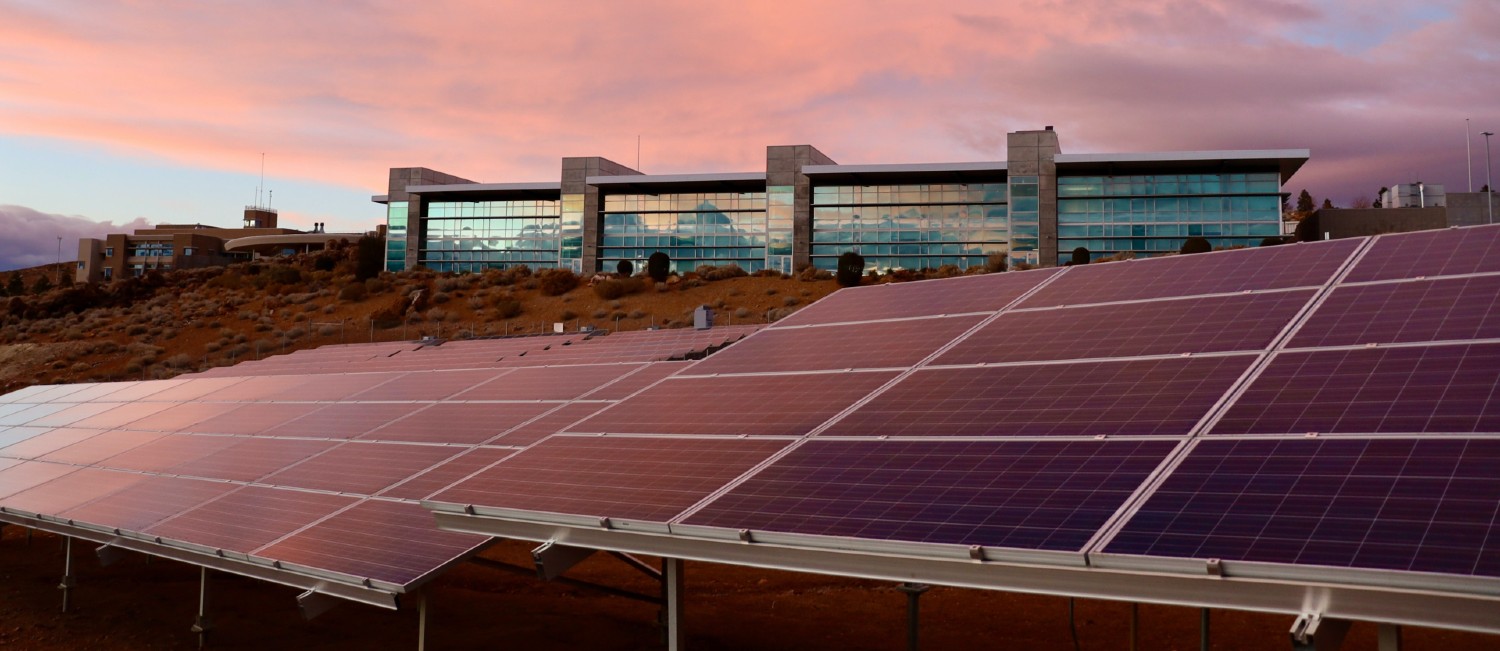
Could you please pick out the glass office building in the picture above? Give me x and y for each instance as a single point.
(913, 226)
(805, 210)
(692, 228)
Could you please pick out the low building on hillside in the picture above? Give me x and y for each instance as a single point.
(1404, 208)
(189, 246)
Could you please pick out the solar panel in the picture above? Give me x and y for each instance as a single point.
(1423, 310)
(386, 541)
(867, 345)
(1152, 397)
(252, 418)
(786, 405)
(1430, 253)
(24, 413)
(147, 502)
(1168, 327)
(28, 474)
(333, 387)
(250, 459)
(551, 423)
(168, 451)
(98, 448)
(1372, 390)
(180, 416)
(636, 381)
(985, 293)
(258, 388)
(344, 420)
(363, 468)
(547, 383)
(1420, 505)
(469, 423)
(1050, 495)
(192, 389)
(70, 490)
(431, 481)
(650, 479)
(43, 443)
(1275, 267)
(123, 414)
(248, 518)
(434, 385)
(72, 414)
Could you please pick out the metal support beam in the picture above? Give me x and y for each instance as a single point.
(67, 581)
(913, 612)
(1388, 637)
(638, 564)
(1135, 625)
(422, 622)
(313, 603)
(203, 624)
(1203, 629)
(507, 567)
(1313, 632)
(553, 560)
(672, 588)
(109, 555)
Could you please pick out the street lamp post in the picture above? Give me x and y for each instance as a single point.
(1489, 182)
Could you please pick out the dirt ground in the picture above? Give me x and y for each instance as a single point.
(134, 604)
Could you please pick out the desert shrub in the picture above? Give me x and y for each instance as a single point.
(946, 271)
(1195, 245)
(625, 268)
(181, 360)
(659, 266)
(772, 291)
(767, 273)
(324, 263)
(790, 301)
(283, 275)
(295, 333)
(996, 262)
(637, 314)
(741, 313)
(609, 289)
(811, 273)
(475, 302)
(690, 283)
(328, 331)
(600, 314)
(135, 330)
(508, 308)
(375, 286)
(568, 315)
(441, 297)
(556, 282)
(230, 280)
(851, 267)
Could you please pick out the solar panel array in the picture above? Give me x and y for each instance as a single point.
(313, 462)
(1331, 404)
(1262, 406)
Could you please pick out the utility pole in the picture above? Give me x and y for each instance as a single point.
(1489, 181)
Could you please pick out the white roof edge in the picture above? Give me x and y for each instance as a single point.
(976, 166)
(1169, 156)
(638, 179)
(484, 187)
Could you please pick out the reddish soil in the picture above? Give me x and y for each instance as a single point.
(134, 604)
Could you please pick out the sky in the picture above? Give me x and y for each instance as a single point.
(117, 114)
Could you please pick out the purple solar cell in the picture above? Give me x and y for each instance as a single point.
(1022, 494)
(431, 481)
(248, 518)
(124, 414)
(70, 490)
(72, 414)
(180, 416)
(551, 423)
(258, 388)
(29, 474)
(193, 389)
(23, 413)
(961, 295)
(468, 423)
(394, 542)
(363, 468)
(650, 479)
(1220, 272)
(786, 405)
(168, 451)
(147, 502)
(253, 418)
(344, 420)
(94, 449)
(332, 387)
(1195, 325)
(867, 345)
(435, 385)
(1157, 397)
(1423, 310)
(250, 459)
(547, 383)
(1444, 252)
(622, 388)
(42, 444)
(1420, 505)
(1433, 389)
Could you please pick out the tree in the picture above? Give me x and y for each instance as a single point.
(1305, 203)
(41, 285)
(1199, 245)
(626, 268)
(1080, 256)
(1327, 204)
(851, 267)
(659, 266)
(369, 258)
(15, 286)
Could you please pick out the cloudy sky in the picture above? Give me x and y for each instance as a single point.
(114, 112)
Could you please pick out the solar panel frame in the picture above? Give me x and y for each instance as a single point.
(924, 298)
(1445, 252)
(891, 344)
(1434, 309)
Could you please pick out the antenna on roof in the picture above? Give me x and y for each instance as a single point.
(262, 178)
(270, 198)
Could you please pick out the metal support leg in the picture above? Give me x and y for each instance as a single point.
(913, 612)
(203, 624)
(1389, 637)
(1135, 625)
(1313, 632)
(1203, 629)
(422, 622)
(672, 585)
(67, 581)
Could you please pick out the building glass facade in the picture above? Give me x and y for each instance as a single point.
(715, 228)
(478, 235)
(395, 236)
(780, 201)
(1153, 214)
(572, 232)
(909, 226)
(1025, 225)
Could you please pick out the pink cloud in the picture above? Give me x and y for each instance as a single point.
(31, 236)
(500, 91)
